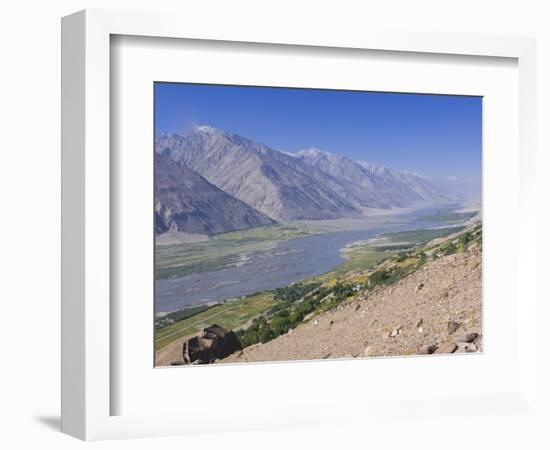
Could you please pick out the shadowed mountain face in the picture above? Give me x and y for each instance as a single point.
(308, 185)
(185, 201)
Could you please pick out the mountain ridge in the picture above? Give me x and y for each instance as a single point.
(268, 180)
(310, 184)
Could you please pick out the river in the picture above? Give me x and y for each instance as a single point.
(288, 262)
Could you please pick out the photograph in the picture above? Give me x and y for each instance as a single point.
(299, 224)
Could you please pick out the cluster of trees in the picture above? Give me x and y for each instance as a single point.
(378, 277)
(466, 238)
(289, 313)
(340, 292)
(176, 316)
(391, 275)
(295, 291)
(461, 243)
(402, 256)
(264, 329)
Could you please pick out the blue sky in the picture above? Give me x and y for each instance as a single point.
(428, 134)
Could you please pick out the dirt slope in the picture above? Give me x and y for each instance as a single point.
(431, 310)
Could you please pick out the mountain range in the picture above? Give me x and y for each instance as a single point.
(211, 181)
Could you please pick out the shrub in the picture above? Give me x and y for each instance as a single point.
(379, 277)
(295, 291)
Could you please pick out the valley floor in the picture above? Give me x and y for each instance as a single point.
(401, 293)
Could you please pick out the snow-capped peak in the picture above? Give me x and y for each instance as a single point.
(207, 129)
(312, 152)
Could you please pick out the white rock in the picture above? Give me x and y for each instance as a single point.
(395, 331)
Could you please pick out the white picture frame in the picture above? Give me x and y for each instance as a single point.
(87, 320)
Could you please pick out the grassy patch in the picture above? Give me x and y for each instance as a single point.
(400, 245)
(177, 316)
(422, 236)
(444, 216)
(363, 259)
(229, 315)
(459, 244)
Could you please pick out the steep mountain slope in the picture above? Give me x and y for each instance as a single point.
(382, 190)
(431, 189)
(275, 183)
(185, 201)
(398, 188)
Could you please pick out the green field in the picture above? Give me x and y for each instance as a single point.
(229, 315)
(362, 258)
(367, 256)
(422, 236)
(224, 250)
(449, 217)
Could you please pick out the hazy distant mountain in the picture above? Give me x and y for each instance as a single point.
(422, 187)
(385, 188)
(374, 189)
(185, 201)
(275, 183)
(468, 190)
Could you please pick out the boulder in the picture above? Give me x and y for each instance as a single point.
(427, 349)
(213, 343)
(478, 342)
(466, 347)
(469, 337)
(447, 348)
(395, 332)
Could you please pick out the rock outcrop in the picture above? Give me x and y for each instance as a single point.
(213, 343)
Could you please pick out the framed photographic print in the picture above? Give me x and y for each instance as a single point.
(252, 217)
(266, 255)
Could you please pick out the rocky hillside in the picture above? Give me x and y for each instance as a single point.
(436, 309)
(186, 202)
